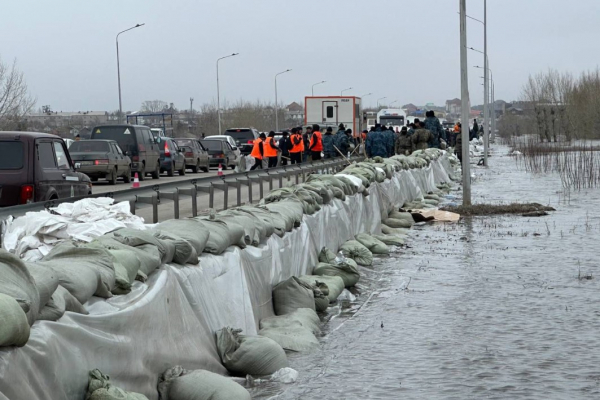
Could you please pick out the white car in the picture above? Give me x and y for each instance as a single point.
(228, 139)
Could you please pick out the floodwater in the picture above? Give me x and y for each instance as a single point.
(490, 308)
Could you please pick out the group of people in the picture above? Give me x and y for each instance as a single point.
(297, 145)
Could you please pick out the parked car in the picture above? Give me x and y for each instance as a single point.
(220, 152)
(101, 159)
(138, 143)
(228, 139)
(157, 133)
(244, 138)
(37, 167)
(171, 157)
(196, 156)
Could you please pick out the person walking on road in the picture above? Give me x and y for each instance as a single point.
(404, 143)
(270, 150)
(285, 145)
(307, 136)
(297, 146)
(458, 146)
(316, 143)
(342, 141)
(421, 138)
(390, 140)
(376, 145)
(328, 143)
(258, 151)
(435, 127)
(475, 131)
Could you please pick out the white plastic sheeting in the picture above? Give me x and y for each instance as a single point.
(171, 319)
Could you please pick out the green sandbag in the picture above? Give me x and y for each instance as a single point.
(326, 255)
(100, 388)
(335, 284)
(432, 197)
(393, 231)
(347, 272)
(356, 251)
(292, 294)
(249, 355)
(397, 223)
(402, 215)
(390, 240)
(293, 332)
(14, 329)
(431, 202)
(374, 245)
(179, 384)
(320, 292)
(189, 229)
(61, 302)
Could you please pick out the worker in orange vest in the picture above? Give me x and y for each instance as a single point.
(316, 143)
(258, 151)
(297, 147)
(270, 150)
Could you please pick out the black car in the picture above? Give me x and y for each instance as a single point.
(196, 156)
(138, 143)
(37, 167)
(171, 157)
(101, 159)
(220, 153)
(244, 138)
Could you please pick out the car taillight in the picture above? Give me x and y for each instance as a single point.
(100, 162)
(167, 151)
(26, 194)
(135, 158)
(250, 142)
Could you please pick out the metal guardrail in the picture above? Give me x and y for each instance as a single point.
(153, 196)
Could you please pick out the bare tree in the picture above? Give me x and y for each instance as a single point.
(15, 101)
(154, 106)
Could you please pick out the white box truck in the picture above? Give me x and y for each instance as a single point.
(332, 111)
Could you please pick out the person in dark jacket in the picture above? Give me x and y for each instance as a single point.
(404, 143)
(306, 136)
(328, 143)
(285, 146)
(475, 131)
(376, 145)
(341, 141)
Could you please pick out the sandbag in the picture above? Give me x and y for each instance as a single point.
(326, 255)
(386, 230)
(148, 255)
(335, 284)
(189, 229)
(291, 295)
(347, 272)
(17, 282)
(402, 215)
(184, 251)
(390, 240)
(46, 282)
(14, 327)
(221, 235)
(397, 223)
(249, 355)
(251, 236)
(126, 266)
(431, 202)
(289, 209)
(68, 258)
(359, 253)
(137, 238)
(61, 302)
(320, 292)
(263, 215)
(179, 384)
(100, 388)
(295, 331)
(374, 245)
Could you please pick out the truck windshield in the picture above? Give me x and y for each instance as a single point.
(394, 121)
(11, 155)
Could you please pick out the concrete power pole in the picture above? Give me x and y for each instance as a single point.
(486, 123)
(465, 104)
(191, 113)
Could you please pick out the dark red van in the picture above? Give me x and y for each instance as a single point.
(37, 167)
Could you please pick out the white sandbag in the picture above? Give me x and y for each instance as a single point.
(67, 258)
(148, 255)
(374, 245)
(14, 327)
(335, 284)
(291, 295)
(295, 331)
(17, 282)
(402, 215)
(221, 236)
(179, 384)
(356, 251)
(347, 272)
(397, 223)
(46, 282)
(326, 255)
(60, 302)
(100, 388)
(391, 240)
(183, 249)
(249, 355)
(188, 229)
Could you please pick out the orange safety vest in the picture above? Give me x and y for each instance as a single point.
(268, 149)
(364, 136)
(297, 148)
(456, 129)
(256, 149)
(318, 145)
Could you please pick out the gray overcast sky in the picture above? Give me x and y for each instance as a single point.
(402, 49)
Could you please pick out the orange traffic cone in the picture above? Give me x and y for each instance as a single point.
(136, 181)
(220, 171)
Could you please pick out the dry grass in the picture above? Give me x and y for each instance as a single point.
(496, 209)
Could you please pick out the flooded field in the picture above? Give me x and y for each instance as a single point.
(502, 307)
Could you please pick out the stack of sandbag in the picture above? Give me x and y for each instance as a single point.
(326, 255)
(222, 235)
(184, 252)
(100, 388)
(144, 239)
(356, 251)
(255, 230)
(295, 331)
(344, 270)
(374, 245)
(290, 210)
(179, 384)
(189, 229)
(334, 285)
(267, 218)
(249, 355)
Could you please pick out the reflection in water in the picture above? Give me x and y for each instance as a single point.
(494, 308)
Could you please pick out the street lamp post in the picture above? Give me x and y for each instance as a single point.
(342, 92)
(219, 91)
(395, 101)
(381, 98)
(119, 68)
(276, 109)
(313, 87)
(464, 80)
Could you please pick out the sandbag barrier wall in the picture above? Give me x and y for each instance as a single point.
(171, 319)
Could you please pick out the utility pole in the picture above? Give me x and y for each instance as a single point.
(486, 89)
(276, 108)
(464, 82)
(191, 112)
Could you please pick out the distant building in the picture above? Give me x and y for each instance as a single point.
(294, 112)
(454, 106)
(68, 119)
